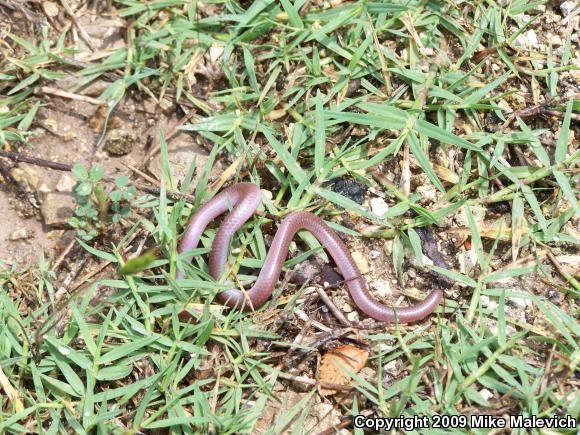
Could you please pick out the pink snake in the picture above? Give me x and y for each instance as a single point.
(243, 199)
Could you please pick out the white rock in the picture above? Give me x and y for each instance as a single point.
(50, 9)
(267, 194)
(504, 105)
(466, 260)
(486, 394)
(215, 52)
(428, 192)
(44, 188)
(488, 303)
(65, 183)
(567, 7)
(528, 39)
(555, 40)
(382, 287)
(521, 303)
(347, 308)
(374, 254)
(379, 206)
(352, 317)
(390, 367)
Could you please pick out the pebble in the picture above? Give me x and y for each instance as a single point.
(267, 194)
(57, 208)
(374, 254)
(65, 183)
(390, 367)
(26, 175)
(504, 105)
(44, 188)
(379, 206)
(353, 317)
(20, 234)
(215, 52)
(467, 260)
(488, 303)
(520, 302)
(382, 287)
(486, 394)
(428, 192)
(50, 9)
(567, 7)
(361, 262)
(347, 308)
(388, 247)
(527, 39)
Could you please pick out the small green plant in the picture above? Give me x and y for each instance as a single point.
(95, 207)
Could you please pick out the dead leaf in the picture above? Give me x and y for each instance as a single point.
(334, 362)
(97, 121)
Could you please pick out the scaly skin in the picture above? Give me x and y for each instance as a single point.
(243, 199)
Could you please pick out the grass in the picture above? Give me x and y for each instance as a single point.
(305, 99)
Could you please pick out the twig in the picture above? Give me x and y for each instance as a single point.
(83, 34)
(337, 313)
(310, 381)
(18, 157)
(64, 94)
(63, 255)
(568, 277)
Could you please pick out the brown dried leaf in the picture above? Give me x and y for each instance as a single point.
(97, 121)
(332, 364)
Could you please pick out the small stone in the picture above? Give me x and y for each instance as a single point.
(486, 394)
(119, 143)
(488, 303)
(361, 262)
(382, 287)
(267, 194)
(567, 7)
(504, 105)
(388, 247)
(69, 135)
(428, 192)
(65, 183)
(521, 303)
(20, 234)
(555, 40)
(528, 39)
(351, 189)
(352, 317)
(391, 367)
(50, 9)
(379, 206)
(374, 254)
(215, 52)
(467, 260)
(44, 188)
(167, 106)
(347, 308)
(26, 176)
(57, 208)
(412, 274)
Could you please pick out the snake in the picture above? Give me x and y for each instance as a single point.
(242, 200)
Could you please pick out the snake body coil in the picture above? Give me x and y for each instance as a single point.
(243, 199)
